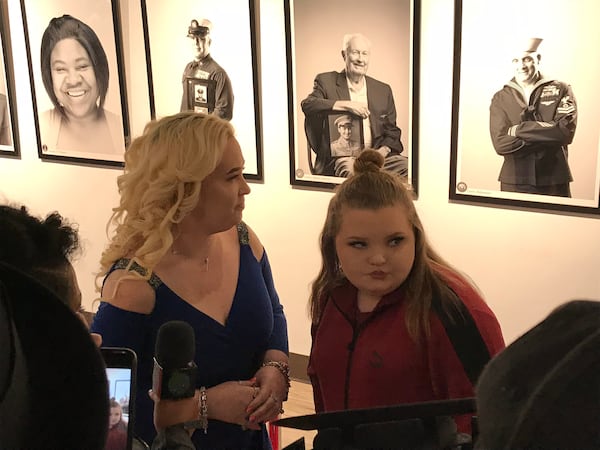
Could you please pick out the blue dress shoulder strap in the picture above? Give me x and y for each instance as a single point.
(131, 266)
(243, 236)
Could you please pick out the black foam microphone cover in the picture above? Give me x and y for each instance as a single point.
(174, 368)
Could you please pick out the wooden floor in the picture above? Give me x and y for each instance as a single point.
(300, 402)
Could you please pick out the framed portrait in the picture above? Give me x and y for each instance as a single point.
(207, 49)
(200, 94)
(77, 82)
(9, 135)
(359, 58)
(344, 140)
(525, 129)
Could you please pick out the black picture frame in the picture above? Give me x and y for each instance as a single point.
(314, 34)
(9, 128)
(485, 39)
(234, 47)
(103, 17)
(201, 94)
(340, 148)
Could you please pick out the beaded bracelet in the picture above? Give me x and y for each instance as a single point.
(284, 369)
(203, 407)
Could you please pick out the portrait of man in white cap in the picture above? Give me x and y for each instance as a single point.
(532, 121)
(204, 67)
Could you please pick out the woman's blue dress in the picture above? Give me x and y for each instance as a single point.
(229, 352)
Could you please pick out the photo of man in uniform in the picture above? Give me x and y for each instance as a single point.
(346, 144)
(204, 67)
(532, 121)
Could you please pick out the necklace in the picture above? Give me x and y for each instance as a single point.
(206, 259)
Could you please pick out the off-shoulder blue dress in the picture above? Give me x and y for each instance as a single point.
(233, 351)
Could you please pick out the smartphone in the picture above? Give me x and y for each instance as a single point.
(121, 365)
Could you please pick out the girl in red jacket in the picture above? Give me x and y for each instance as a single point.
(377, 303)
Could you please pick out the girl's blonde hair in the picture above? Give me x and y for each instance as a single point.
(161, 183)
(371, 187)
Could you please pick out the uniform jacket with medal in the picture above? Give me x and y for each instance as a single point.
(533, 137)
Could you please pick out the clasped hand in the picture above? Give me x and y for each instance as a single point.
(246, 402)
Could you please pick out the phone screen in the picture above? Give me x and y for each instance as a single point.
(121, 375)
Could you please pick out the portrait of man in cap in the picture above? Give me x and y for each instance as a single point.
(532, 121)
(346, 144)
(347, 141)
(204, 67)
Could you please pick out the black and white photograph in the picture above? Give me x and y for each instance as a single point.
(211, 44)
(355, 58)
(9, 141)
(77, 86)
(346, 141)
(201, 95)
(525, 129)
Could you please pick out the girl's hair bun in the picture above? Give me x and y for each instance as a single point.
(368, 161)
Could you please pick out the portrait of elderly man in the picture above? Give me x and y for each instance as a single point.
(532, 121)
(204, 67)
(352, 91)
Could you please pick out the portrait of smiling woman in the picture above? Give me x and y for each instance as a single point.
(75, 74)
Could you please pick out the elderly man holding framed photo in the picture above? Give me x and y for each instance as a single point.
(352, 91)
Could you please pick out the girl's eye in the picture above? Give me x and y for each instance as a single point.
(357, 244)
(396, 241)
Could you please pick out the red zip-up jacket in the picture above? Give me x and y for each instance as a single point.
(378, 364)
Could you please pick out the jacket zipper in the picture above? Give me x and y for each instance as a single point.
(351, 345)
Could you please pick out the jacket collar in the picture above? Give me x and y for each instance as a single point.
(344, 297)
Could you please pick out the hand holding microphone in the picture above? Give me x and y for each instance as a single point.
(176, 399)
(174, 375)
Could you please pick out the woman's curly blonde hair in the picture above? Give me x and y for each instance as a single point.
(161, 183)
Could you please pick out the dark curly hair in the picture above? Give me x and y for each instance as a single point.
(40, 248)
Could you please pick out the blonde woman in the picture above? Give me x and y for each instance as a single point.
(180, 251)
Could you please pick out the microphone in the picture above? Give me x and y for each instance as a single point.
(174, 374)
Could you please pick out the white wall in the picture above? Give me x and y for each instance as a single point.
(525, 262)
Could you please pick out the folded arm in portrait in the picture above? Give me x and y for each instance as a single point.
(523, 129)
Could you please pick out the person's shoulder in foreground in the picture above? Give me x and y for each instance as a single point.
(543, 390)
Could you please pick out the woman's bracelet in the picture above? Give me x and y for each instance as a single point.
(284, 369)
(203, 407)
(201, 420)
